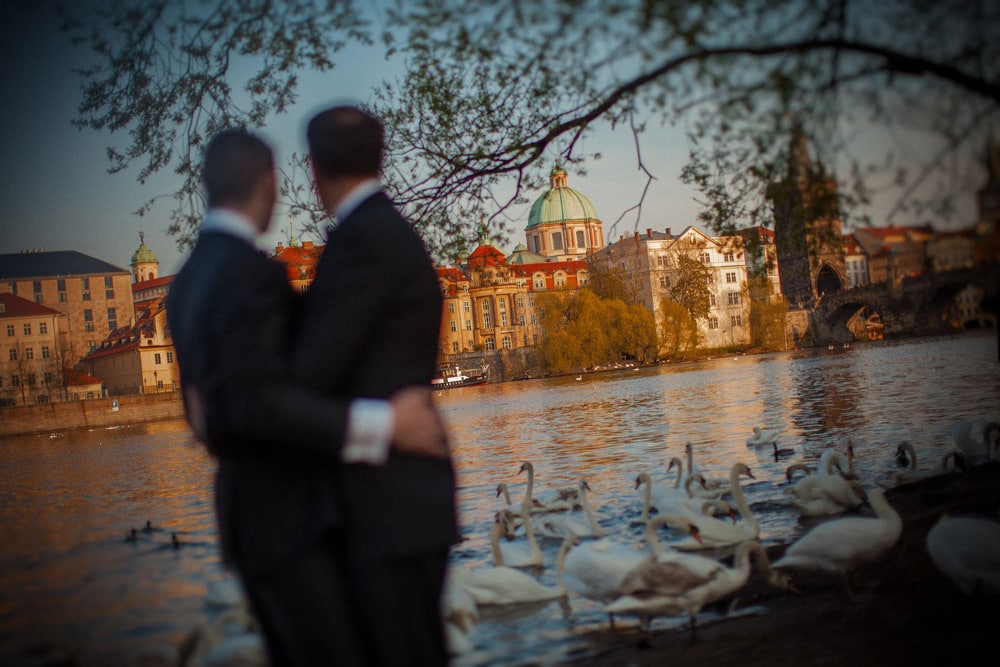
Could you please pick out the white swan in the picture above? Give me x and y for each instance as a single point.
(671, 500)
(710, 488)
(967, 550)
(516, 552)
(562, 499)
(762, 437)
(685, 583)
(503, 584)
(841, 545)
(459, 610)
(720, 533)
(571, 524)
(976, 440)
(821, 494)
(231, 639)
(832, 462)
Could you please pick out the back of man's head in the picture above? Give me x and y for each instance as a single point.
(233, 164)
(345, 141)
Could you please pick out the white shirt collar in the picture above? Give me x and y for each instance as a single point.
(361, 192)
(228, 221)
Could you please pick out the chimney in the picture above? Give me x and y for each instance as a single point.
(668, 231)
(278, 248)
(637, 237)
(307, 245)
(649, 232)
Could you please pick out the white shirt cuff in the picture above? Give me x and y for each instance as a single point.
(369, 432)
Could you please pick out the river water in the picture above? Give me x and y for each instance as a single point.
(71, 585)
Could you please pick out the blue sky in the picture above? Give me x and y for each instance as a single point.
(56, 194)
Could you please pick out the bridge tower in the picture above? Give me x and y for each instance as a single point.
(807, 229)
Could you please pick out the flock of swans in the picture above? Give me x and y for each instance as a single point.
(716, 537)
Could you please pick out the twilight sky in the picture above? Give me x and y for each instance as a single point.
(56, 194)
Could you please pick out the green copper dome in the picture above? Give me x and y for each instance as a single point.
(143, 254)
(561, 203)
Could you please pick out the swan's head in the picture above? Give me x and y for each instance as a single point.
(902, 456)
(584, 486)
(500, 488)
(526, 466)
(643, 478)
(743, 469)
(673, 462)
(688, 447)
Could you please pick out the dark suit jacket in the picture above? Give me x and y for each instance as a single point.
(370, 325)
(230, 310)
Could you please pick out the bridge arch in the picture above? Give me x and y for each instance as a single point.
(855, 320)
(828, 279)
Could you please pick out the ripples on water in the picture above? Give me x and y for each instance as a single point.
(70, 582)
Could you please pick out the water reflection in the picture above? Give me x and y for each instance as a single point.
(70, 583)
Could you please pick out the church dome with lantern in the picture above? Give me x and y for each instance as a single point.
(562, 223)
(144, 264)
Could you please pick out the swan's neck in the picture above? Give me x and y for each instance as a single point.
(528, 497)
(883, 509)
(506, 494)
(680, 471)
(687, 486)
(567, 544)
(912, 453)
(647, 499)
(529, 533)
(690, 458)
(652, 539)
(594, 526)
(709, 505)
(495, 544)
(740, 500)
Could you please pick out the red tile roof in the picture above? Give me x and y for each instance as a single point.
(15, 306)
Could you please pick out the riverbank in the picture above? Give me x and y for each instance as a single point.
(91, 413)
(909, 613)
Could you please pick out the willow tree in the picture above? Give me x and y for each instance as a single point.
(494, 92)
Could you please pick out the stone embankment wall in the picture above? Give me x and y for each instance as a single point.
(95, 413)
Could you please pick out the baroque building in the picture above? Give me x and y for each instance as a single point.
(94, 296)
(651, 266)
(31, 370)
(562, 223)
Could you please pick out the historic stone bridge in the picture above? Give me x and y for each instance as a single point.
(924, 305)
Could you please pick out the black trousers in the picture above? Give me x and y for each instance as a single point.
(305, 612)
(398, 606)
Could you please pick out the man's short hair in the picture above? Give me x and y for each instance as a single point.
(346, 141)
(233, 164)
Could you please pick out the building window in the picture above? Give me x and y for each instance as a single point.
(560, 280)
(62, 297)
(713, 323)
(30, 379)
(468, 325)
(505, 342)
(13, 287)
(557, 241)
(454, 325)
(47, 378)
(664, 281)
(109, 282)
(109, 294)
(451, 307)
(520, 302)
(10, 329)
(85, 283)
(86, 296)
(170, 357)
(705, 257)
(88, 326)
(36, 286)
(27, 329)
(581, 239)
(112, 314)
(12, 355)
(454, 346)
(533, 320)
(729, 257)
(520, 319)
(730, 277)
(45, 351)
(61, 284)
(531, 301)
(539, 283)
(491, 343)
(466, 307)
(737, 320)
(734, 298)
(710, 279)
(29, 353)
(487, 321)
(39, 298)
(156, 358)
(43, 327)
(711, 300)
(15, 380)
(534, 244)
(112, 325)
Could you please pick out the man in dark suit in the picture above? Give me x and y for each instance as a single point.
(370, 325)
(231, 313)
